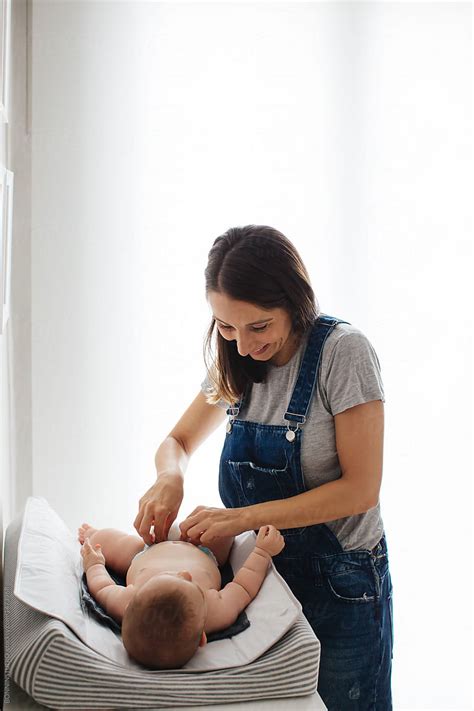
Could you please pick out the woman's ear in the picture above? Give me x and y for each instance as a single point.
(203, 639)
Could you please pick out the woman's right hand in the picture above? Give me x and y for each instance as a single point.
(159, 507)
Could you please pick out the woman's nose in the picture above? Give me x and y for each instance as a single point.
(243, 347)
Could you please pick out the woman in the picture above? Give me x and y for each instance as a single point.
(303, 452)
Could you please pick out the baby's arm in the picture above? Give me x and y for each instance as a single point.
(113, 598)
(224, 606)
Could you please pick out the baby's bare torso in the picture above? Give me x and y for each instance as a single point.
(175, 556)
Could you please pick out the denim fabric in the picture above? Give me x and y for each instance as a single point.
(346, 595)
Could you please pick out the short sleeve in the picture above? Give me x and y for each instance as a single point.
(350, 374)
(207, 389)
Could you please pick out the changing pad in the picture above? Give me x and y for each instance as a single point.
(66, 659)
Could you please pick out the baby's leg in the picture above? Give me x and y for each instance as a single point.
(118, 548)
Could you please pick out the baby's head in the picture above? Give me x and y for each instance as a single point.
(163, 625)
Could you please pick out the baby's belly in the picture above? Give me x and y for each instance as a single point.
(174, 556)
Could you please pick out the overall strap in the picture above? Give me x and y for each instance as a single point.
(308, 373)
(307, 376)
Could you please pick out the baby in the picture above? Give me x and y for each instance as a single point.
(173, 595)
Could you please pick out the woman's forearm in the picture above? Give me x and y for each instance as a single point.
(171, 458)
(328, 502)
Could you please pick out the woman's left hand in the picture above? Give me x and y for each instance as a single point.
(206, 523)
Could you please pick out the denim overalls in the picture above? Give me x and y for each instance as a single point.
(346, 595)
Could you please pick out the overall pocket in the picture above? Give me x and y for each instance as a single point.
(352, 581)
(258, 484)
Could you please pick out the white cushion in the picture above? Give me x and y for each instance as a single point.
(48, 576)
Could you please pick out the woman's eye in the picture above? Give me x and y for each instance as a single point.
(255, 328)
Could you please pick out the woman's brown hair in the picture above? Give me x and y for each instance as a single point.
(257, 264)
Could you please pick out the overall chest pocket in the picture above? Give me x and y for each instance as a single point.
(258, 483)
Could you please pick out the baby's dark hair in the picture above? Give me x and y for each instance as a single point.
(161, 630)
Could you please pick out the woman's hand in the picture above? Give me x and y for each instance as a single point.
(159, 507)
(206, 523)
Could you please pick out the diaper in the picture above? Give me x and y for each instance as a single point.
(208, 552)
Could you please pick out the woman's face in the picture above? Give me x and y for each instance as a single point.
(263, 334)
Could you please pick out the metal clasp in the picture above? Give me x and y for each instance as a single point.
(232, 412)
(291, 434)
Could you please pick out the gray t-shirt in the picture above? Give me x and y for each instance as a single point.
(349, 375)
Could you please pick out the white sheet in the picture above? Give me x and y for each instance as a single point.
(49, 572)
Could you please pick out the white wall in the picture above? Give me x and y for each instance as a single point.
(157, 126)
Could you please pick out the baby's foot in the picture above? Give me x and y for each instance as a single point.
(83, 531)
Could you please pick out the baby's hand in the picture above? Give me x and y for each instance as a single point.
(90, 556)
(270, 540)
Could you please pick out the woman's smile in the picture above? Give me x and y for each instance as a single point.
(261, 350)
